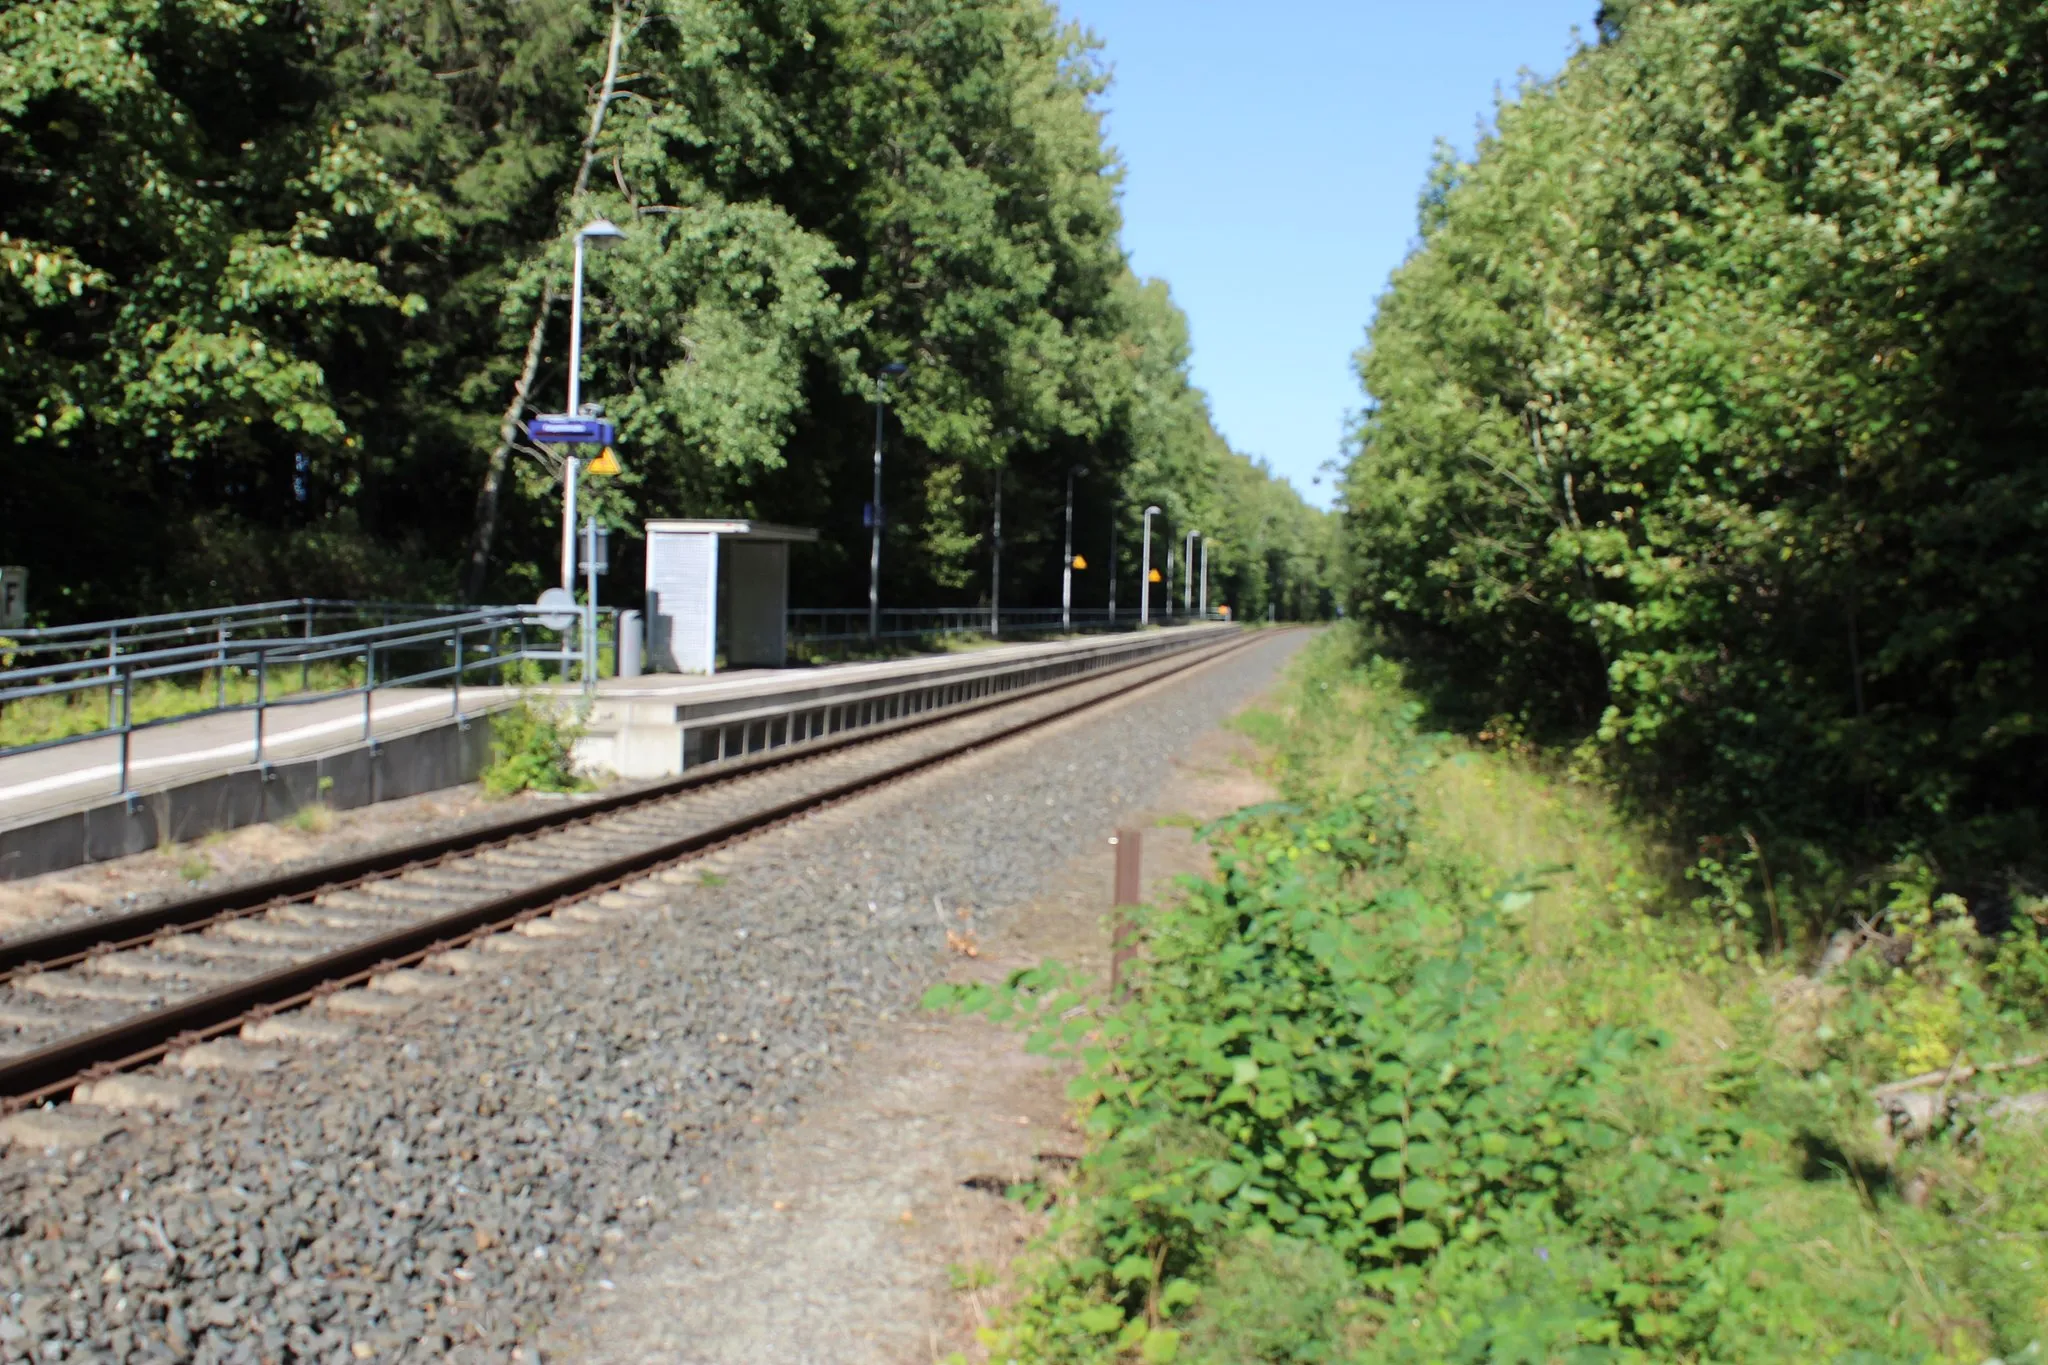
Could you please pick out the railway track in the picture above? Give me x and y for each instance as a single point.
(85, 1000)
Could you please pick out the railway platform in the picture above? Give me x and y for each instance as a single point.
(63, 806)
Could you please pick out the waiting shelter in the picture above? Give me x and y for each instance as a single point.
(715, 585)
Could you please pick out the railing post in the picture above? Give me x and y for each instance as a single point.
(220, 666)
(369, 682)
(127, 721)
(455, 680)
(262, 695)
(113, 668)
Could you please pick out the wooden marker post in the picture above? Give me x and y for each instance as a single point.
(1123, 932)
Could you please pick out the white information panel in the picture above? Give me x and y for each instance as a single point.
(682, 601)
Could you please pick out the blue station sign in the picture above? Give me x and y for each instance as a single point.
(560, 429)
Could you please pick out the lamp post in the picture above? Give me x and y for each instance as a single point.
(590, 567)
(1145, 572)
(1187, 573)
(875, 509)
(1067, 564)
(1205, 578)
(1114, 514)
(602, 234)
(995, 574)
(1167, 583)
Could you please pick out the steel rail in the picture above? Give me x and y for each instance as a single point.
(72, 943)
(148, 1036)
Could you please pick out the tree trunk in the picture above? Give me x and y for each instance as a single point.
(489, 497)
(605, 94)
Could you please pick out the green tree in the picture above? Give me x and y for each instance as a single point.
(1706, 421)
(183, 256)
(284, 283)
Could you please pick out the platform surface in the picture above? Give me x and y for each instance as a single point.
(38, 783)
(767, 683)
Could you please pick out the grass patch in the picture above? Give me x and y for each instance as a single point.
(1441, 1066)
(312, 818)
(34, 720)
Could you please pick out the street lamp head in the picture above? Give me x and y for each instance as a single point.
(602, 234)
(1151, 511)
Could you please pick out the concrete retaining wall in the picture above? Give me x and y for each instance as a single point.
(423, 760)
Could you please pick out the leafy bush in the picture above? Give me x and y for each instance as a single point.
(1374, 1100)
(533, 749)
(1277, 1299)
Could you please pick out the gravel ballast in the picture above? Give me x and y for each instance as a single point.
(450, 1179)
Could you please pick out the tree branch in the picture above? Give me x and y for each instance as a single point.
(1962, 1073)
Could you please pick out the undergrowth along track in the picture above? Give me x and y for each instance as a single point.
(86, 1000)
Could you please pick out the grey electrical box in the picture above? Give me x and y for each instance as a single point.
(604, 552)
(13, 596)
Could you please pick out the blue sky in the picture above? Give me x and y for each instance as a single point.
(1274, 153)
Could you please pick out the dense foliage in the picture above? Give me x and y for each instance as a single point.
(279, 278)
(1707, 425)
(1385, 1091)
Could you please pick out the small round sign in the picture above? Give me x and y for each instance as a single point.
(559, 608)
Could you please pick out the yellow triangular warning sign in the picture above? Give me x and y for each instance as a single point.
(605, 463)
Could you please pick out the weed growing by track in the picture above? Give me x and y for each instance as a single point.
(1441, 1066)
(312, 818)
(532, 749)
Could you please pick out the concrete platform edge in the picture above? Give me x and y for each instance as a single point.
(431, 757)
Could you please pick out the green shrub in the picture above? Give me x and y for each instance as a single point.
(1276, 1301)
(532, 749)
(1372, 1100)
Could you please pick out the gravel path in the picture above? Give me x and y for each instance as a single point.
(490, 1145)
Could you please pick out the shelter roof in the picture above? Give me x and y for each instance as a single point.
(750, 530)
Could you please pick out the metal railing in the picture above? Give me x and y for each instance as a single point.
(450, 649)
(304, 617)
